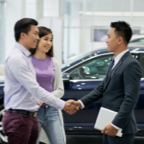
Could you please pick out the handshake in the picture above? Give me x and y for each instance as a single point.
(72, 106)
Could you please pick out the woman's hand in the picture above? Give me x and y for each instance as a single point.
(40, 102)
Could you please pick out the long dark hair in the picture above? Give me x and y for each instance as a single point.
(42, 32)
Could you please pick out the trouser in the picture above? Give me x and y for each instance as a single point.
(49, 120)
(125, 139)
(20, 128)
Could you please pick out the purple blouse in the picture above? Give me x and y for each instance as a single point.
(44, 72)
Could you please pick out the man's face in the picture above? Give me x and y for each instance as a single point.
(31, 39)
(112, 40)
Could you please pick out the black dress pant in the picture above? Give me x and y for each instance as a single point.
(125, 139)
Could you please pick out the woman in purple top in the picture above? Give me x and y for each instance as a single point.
(48, 74)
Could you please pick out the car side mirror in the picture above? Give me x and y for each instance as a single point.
(65, 77)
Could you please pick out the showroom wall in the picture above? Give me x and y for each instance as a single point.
(76, 24)
(82, 17)
(42, 10)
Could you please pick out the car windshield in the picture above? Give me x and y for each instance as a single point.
(78, 57)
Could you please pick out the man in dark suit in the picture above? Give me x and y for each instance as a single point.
(120, 88)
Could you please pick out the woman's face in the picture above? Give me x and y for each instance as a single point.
(45, 43)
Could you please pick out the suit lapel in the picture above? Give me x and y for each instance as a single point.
(109, 76)
(112, 73)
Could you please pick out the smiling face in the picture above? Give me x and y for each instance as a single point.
(45, 43)
(112, 40)
(31, 38)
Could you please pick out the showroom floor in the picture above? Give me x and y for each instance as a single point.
(88, 139)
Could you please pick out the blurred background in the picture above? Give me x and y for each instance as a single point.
(79, 26)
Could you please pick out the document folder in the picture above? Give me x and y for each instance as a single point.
(104, 118)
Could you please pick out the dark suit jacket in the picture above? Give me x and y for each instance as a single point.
(120, 92)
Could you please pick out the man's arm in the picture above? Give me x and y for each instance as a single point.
(131, 78)
(24, 76)
(94, 95)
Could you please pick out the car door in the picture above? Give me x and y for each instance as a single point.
(84, 77)
(139, 109)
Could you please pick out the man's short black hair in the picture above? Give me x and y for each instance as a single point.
(23, 25)
(123, 30)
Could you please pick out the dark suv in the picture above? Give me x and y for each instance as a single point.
(82, 75)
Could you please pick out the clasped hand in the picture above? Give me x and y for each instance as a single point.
(71, 106)
(110, 130)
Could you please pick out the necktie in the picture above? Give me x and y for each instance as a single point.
(111, 66)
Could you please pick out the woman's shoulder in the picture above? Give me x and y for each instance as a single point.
(55, 61)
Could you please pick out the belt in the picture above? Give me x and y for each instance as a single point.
(33, 114)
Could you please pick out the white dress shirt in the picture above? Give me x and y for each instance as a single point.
(21, 88)
(117, 58)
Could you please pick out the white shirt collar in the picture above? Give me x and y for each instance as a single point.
(23, 49)
(119, 56)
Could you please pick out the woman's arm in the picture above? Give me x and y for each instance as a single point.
(58, 82)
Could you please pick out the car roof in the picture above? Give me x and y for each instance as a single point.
(134, 37)
(99, 51)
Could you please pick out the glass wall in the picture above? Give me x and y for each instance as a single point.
(86, 22)
(82, 24)
(2, 2)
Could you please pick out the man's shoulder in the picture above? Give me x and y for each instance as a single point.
(131, 63)
(15, 55)
(131, 59)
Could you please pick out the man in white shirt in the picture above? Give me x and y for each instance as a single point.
(22, 92)
(120, 88)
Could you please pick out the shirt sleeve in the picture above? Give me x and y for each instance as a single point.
(81, 104)
(22, 72)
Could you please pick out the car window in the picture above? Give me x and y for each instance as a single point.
(95, 68)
